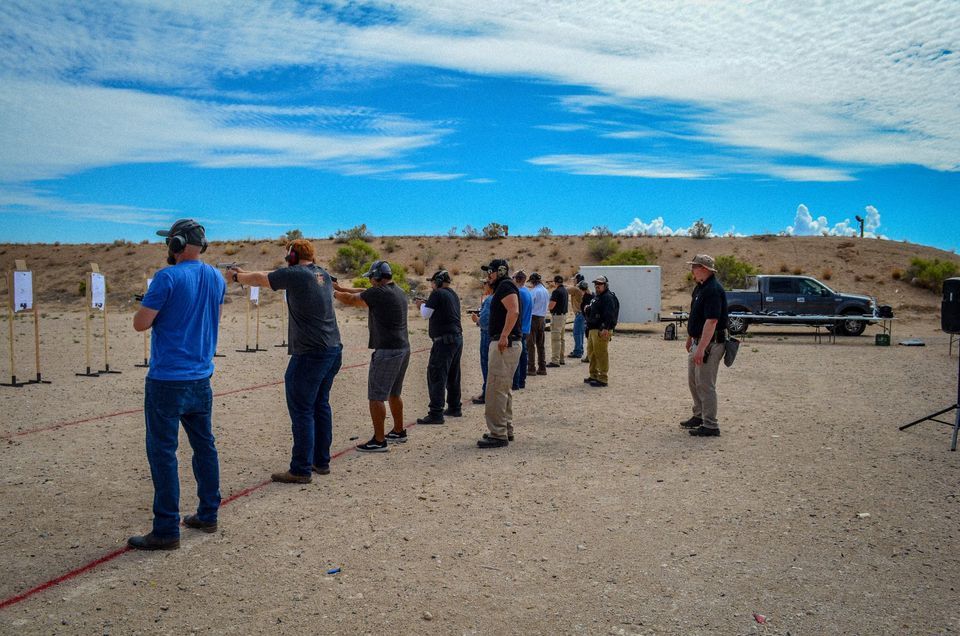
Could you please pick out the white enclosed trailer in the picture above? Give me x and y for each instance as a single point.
(637, 288)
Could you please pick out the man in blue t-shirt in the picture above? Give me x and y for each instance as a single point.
(526, 318)
(182, 306)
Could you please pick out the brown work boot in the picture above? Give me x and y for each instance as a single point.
(287, 477)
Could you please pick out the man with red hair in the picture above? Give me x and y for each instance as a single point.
(315, 357)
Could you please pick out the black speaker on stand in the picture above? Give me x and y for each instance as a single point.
(950, 323)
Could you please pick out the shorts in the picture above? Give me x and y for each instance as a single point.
(387, 369)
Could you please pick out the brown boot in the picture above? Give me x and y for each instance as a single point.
(287, 477)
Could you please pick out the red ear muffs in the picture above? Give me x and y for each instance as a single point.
(292, 257)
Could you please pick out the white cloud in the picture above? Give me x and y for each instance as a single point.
(25, 201)
(615, 166)
(61, 129)
(429, 176)
(656, 227)
(854, 83)
(804, 224)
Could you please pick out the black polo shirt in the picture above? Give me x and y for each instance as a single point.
(498, 313)
(562, 300)
(445, 319)
(709, 302)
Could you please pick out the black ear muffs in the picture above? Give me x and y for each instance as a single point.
(176, 243)
(292, 257)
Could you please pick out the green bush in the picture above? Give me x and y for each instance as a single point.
(601, 248)
(291, 235)
(357, 232)
(700, 230)
(494, 230)
(733, 272)
(930, 274)
(351, 257)
(544, 232)
(636, 256)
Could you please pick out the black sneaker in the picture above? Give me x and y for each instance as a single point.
(693, 422)
(542, 372)
(597, 384)
(453, 413)
(585, 360)
(588, 380)
(193, 521)
(393, 436)
(152, 542)
(373, 446)
(703, 431)
(430, 419)
(573, 355)
(480, 400)
(487, 436)
(492, 442)
(553, 365)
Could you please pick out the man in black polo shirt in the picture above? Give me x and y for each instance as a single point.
(442, 308)
(504, 354)
(706, 329)
(558, 306)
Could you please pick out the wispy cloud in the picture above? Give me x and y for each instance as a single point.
(760, 77)
(25, 201)
(615, 166)
(429, 176)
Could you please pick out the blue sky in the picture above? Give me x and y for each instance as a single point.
(116, 118)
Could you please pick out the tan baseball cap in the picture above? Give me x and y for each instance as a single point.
(703, 260)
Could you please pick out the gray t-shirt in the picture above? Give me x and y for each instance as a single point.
(313, 324)
(388, 317)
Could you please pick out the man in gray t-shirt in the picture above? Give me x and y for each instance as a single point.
(387, 305)
(315, 357)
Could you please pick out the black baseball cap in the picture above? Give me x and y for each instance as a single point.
(192, 231)
(494, 265)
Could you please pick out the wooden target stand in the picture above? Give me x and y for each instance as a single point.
(283, 321)
(20, 286)
(97, 299)
(252, 299)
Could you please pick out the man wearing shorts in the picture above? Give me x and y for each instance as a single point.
(387, 306)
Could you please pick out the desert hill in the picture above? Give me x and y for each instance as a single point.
(866, 266)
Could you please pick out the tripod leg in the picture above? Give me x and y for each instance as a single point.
(928, 417)
(956, 429)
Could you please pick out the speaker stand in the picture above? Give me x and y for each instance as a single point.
(933, 416)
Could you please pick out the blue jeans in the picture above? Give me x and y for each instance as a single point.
(579, 331)
(484, 357)
(307, 381)
(167, 404)
(520, 375)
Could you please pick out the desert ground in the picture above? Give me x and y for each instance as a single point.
(811, 511)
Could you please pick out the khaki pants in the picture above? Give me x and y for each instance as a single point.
(599, 356)
(499, 400)
(536, 354)
(558, 323)
(703, 383)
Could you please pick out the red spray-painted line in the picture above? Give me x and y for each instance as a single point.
(13, 600)
(59, 425)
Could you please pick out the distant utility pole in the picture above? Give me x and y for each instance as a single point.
(860, 221)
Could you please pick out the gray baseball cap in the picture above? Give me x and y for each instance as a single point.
(379, 269)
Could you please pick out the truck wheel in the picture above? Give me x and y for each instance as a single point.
(737, 325)
(851, 327)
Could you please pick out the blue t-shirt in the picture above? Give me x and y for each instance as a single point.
(526, 310)
(484, 320)
(188, 298)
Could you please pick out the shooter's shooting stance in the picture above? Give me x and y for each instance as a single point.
(315, 357)
(387, 305)
(182, 307)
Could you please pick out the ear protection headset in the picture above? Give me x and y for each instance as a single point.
(292, 257)
(178, 242)
(441, 277)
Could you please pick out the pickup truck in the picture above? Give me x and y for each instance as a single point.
(796, 296)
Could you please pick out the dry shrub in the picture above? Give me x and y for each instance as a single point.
(858, 278)
(869, 276)
(783, 268)
(678, 254)
(230, 250)
(554, 253)
(845, 244)
(797, 270)
(896, 274)
(418, 267)
(455, 271)
(826, 274)
(264, 249)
